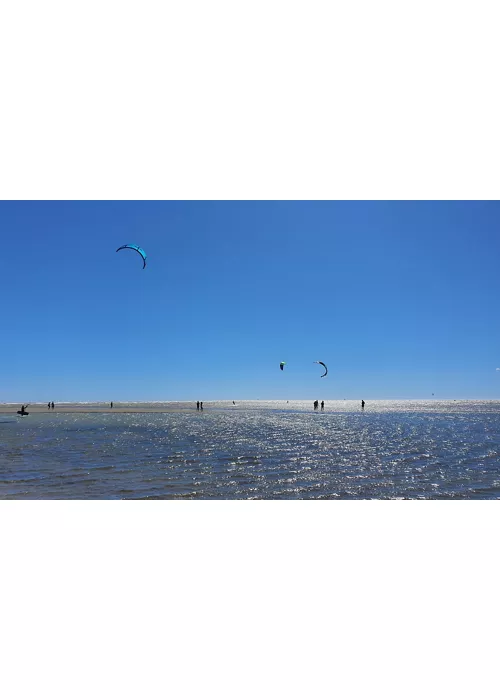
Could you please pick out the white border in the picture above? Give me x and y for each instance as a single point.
(263, 100)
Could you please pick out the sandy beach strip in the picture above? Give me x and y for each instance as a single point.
(174, 407)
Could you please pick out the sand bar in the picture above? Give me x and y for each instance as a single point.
(174, 407)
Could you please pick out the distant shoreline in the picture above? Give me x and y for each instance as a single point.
(98, 409)
(190, 406)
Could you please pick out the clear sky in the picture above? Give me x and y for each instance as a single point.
(399, 299)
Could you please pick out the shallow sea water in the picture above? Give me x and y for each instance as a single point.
(257, 450)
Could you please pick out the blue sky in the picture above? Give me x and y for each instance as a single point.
(399, 299)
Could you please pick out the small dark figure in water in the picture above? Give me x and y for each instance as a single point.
(111, 405)
(322, 405)
(52, 405)
(362, 404)
(234, 404)
(197, 405)
(201, 405)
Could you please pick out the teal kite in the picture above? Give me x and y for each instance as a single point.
(137, 249)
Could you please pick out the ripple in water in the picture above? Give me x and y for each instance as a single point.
(268, 450)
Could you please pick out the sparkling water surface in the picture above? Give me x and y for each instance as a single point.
(264, 450)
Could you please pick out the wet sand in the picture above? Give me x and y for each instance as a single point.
(174, 407)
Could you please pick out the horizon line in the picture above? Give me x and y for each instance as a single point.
(153, 401)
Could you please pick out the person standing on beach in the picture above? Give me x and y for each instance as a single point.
(201, 405)
(52, 405)
(48, 405)
(322, 405)
(362, 404)
(315, 405)
(197, 405)
(111, 405)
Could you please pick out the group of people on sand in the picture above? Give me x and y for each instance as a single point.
(316, 405)
(199, 406)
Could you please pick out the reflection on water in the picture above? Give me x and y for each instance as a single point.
(269, 450)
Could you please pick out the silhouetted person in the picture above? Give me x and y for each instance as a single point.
(197, 405)
(111, 405)
(315, 405)
(234, 404)
(52, 405)
(48, 405)
(322, 405)
(362, 404)
(201, 405)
